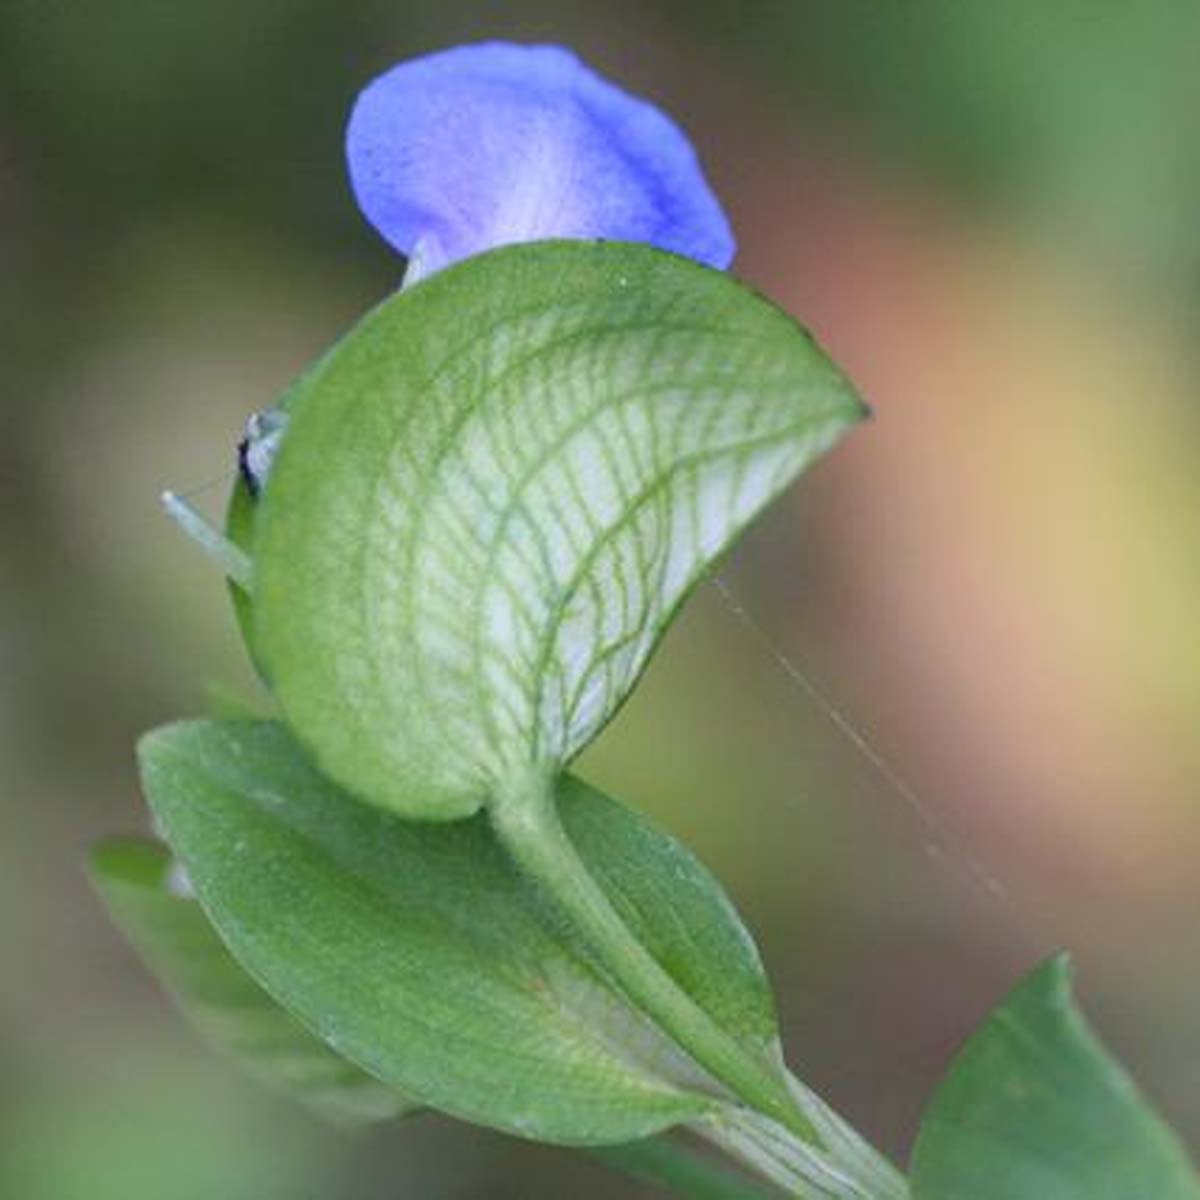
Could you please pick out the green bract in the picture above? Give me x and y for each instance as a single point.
(417, 950)
(494, 493)
(1034, 1107)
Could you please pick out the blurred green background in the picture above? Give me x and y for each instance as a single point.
(988, 210)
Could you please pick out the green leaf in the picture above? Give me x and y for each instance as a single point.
(495, 492)
(1034, 1106)
(418, 952)
(178, 943)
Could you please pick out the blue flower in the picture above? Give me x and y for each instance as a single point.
(480, 146)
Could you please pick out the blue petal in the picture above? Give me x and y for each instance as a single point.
(475, 147)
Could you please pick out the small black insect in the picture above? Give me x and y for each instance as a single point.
(260, 442)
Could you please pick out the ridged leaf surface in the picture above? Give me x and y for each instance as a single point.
(495, 492)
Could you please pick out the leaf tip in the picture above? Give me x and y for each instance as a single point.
(1054, 976)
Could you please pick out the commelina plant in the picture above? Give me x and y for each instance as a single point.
(453, 546)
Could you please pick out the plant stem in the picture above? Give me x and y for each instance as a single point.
(802, 1170)
(229, 556)
(660, 1161)
(848, 1148)
(778, 1128)
(526, 821)
(797, 1168)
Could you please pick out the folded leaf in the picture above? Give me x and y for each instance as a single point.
(495, 492)
(416, 951)
(179, 944)
(1034, 1107)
